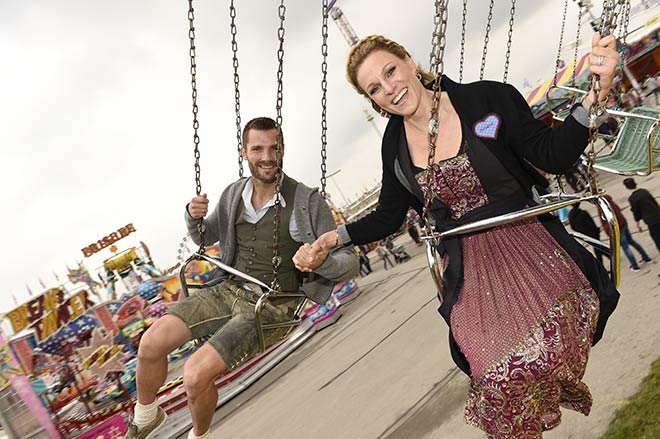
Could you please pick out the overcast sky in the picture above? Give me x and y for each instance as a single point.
(95, 109)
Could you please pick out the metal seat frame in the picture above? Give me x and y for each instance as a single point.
(641, 122)
(266, 296)
(434, 259)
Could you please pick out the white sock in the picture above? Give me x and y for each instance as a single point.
(192, 435)
(144, 414)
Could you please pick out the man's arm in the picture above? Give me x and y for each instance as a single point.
(634, 207)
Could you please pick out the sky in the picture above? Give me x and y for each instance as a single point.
(96, 121)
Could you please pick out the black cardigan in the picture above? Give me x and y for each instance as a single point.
(521, 141)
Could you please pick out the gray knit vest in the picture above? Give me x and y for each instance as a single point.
(255, 244)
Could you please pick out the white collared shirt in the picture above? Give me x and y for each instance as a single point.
(252, 216)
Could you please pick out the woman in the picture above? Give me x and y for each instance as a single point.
(524, 301)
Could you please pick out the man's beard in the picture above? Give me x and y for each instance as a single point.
(255, 171)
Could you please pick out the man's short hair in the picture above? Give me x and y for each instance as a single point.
(261, 124)
(630, 183)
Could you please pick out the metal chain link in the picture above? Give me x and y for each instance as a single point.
(463, 25)
(237, 93)
(193, 83)
(436, 59)
(561, 43)
(577, 44)
(608, 21)
(486, 38)
(623, 36)
(508, 43)
(324, 100)
(277, 259)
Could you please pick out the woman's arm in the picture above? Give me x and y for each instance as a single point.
(393, 204)
(556, 149)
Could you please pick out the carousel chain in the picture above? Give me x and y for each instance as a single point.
(577, 44)
(438, 43)
(463, 25)
(509, 40)
(486, 39)
(324, 100)
(277, 259)
(561, 43)
(608, 21)
(623, 35)
(237, 93)
(193, 82)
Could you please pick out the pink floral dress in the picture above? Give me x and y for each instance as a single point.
(524, 318)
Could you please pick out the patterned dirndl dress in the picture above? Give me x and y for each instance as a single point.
(524, 318)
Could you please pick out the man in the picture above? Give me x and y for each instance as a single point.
(242, 223)
(383, 253)
(644, 207)
(581, 222)
(626, 239)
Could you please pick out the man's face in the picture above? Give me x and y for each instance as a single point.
(260, 152)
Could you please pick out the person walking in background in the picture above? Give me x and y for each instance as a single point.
(644, 207)
(365, 264)
(383, 253)
(626, 237)
(651, 85)
(411, 226)
(581, 222)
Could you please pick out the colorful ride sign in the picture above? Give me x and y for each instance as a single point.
(108, 240)
(48, 312)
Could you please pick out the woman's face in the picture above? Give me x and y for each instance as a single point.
(390, 82)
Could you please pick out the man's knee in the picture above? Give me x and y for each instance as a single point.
(201, 370)
(166, 334)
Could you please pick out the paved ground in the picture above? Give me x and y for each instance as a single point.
(384, 369)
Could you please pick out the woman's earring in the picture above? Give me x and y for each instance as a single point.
(384, 113)
(418, 74)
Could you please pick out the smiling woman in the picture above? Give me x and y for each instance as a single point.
(523, 300)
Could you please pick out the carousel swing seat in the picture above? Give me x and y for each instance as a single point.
(553, 203)
(266, 297)
(635, 150)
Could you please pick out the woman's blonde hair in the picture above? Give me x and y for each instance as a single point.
(364, 48)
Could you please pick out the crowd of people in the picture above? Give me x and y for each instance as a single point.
(632, 97)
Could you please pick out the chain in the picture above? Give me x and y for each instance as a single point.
(608, 21)
(463, 24)
(436, 58)
(623, 37)
(237, 93)
(486, 38)
(193, 83)
(324, 100)
(277, 259)
(577, 44)
(508, 43)
(561, 43)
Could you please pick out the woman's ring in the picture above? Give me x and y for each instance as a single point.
(599, 60)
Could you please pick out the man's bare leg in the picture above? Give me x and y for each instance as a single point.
(199, 375)
(165, 335)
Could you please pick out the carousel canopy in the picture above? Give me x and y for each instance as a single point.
(564, 77)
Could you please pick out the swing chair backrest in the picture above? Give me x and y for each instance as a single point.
(635, 150)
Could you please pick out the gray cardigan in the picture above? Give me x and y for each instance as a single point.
(313, 218)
